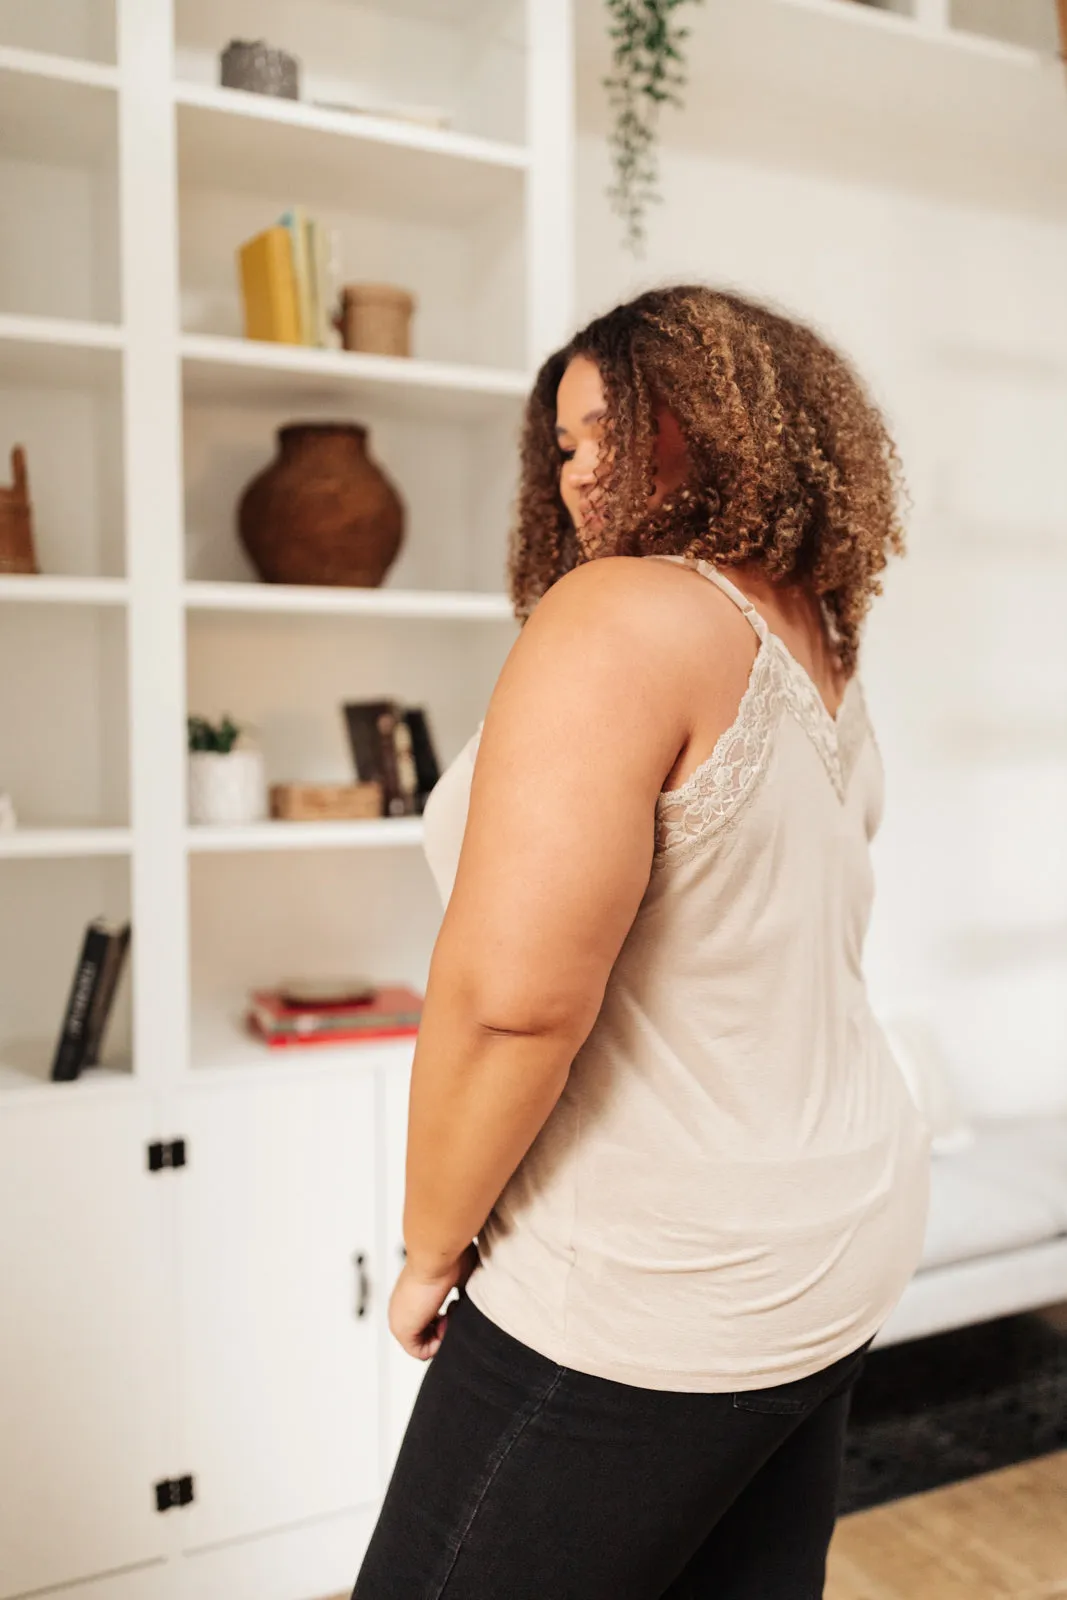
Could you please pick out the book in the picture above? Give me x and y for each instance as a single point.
(427, 767)
(268, 287)
(319, 252)
(371, 732)
(69, 1054)
(104, 996)
(296, 222)
(306, 1041)
(390, 1011)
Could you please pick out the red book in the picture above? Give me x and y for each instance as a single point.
(393, 1011)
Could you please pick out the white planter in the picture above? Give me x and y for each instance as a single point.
(228, 789)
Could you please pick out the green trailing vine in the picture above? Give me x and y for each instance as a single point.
(647, 72)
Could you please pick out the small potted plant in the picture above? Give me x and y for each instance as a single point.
(226, 779)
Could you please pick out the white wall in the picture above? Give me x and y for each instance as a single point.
(958, 319)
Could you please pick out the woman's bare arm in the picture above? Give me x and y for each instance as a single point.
(587, 717)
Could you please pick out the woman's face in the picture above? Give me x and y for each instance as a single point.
(580, 412)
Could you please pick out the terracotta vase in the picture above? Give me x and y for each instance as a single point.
(323, 511)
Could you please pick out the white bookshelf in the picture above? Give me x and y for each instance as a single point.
(244, 370)
(28, 844)
(121, 105)
(387, 833)
(144, 412)
(59, 352)
(311, 601)
(50, 591)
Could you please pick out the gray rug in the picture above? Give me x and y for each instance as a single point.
(939, 1410)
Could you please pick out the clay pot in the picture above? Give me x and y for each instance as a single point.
(323, 511)
(16, 520)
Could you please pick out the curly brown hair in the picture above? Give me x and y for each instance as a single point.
(791, 463)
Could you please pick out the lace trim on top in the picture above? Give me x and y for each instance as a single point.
(714, 795)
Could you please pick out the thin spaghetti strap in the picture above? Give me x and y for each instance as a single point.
(741, 601)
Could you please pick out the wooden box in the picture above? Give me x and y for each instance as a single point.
(325, 802)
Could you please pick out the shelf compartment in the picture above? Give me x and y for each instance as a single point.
(44, 844)
(64, 729)
(254, 372)
(45, 907)
(47, 589)
(25, 1075)
(255, 144)
(76, 34)
(59, 176)
(373, 834)
(295, 600)
(59, 352)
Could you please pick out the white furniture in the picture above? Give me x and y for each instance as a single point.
(200, 1396)
(996, 1241)
(198, 1240)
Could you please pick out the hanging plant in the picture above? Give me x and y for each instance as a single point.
(648, 70)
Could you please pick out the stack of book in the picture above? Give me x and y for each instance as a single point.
(392, 746)
(285, 282)
(282, 1019)
(92, 994)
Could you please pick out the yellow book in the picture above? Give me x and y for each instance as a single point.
(268, 287)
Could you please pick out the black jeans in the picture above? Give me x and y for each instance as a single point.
(518, 1479)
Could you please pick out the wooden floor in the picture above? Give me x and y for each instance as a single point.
(998, 1537)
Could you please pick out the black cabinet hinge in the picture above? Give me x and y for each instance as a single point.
(173, 1492)
(166, 1155)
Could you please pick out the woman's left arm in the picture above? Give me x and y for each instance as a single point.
(584, 723)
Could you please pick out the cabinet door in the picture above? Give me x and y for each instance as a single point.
(83, 1337)
(278, 1327)
(404, 1373)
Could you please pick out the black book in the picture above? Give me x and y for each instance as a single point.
(103, 999)
(422, 748)
(70, 1049)
(370, 733)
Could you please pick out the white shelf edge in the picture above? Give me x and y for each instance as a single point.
(849, 13)
(46, 589)
(295, 600)
(376, 833)
(351, 125)
(67, 333)
(353, 366)
(224, 1051)
(26, 844)
(28, 1089)
(66, 69)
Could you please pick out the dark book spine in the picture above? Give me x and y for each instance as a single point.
(70, 1050)
(394, 803)
(422, 748)
(118, 945)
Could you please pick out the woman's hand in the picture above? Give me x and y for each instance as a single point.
(415, 1304)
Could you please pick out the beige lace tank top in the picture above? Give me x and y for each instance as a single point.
(731, 1191)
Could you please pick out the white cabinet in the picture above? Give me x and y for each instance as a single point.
(404, 1373)
(83, 1339)
(279, 1329)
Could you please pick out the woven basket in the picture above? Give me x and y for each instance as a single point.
(376, 318)
(325, 802)
(16, 520)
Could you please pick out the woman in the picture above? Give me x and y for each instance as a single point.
(648, 1077)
